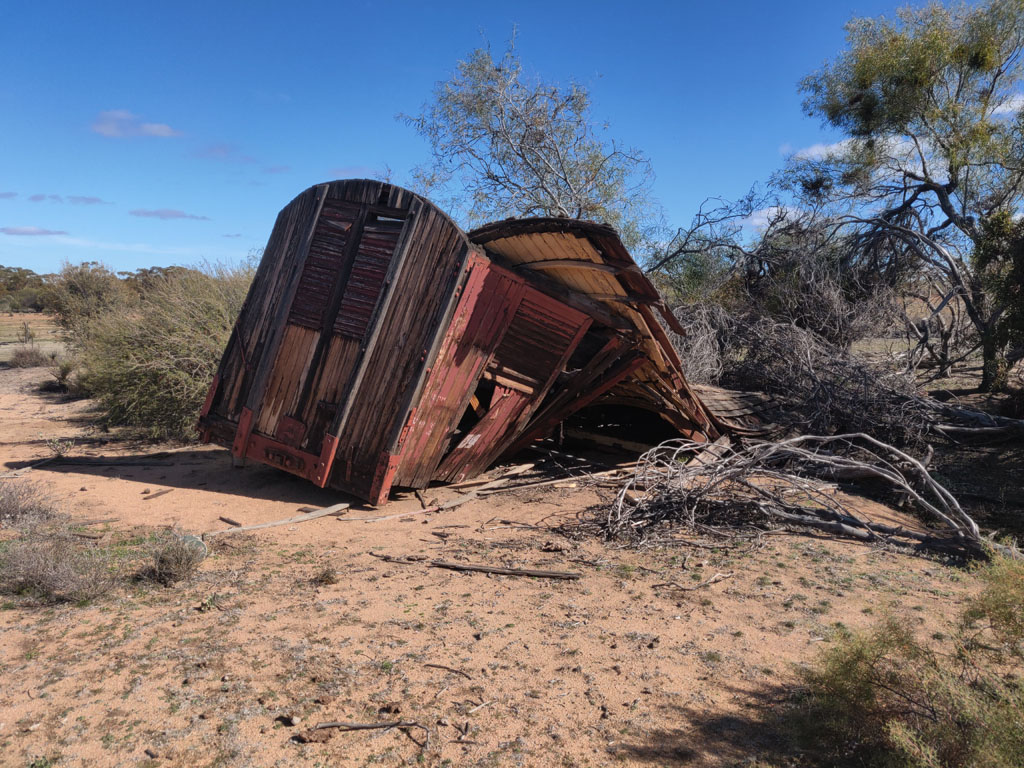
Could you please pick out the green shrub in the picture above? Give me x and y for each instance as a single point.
(885, 698)
(149, 363)
(81, 293)
(28, 357)
(62, 369)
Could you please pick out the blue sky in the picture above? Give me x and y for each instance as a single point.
(142, 134)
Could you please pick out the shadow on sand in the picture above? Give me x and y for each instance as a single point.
(207, 469)
(756, 735)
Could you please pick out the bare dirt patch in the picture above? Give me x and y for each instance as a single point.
(287, 627)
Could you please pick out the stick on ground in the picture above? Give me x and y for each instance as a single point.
(337, 509)
(497, 570)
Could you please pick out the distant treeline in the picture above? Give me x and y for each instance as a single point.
(22, 290)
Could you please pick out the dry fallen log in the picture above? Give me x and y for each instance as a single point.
(26, 470)
(564, 575)
(497, 570)
(456, 502)
(304, 737)
(694, 587)
(453, 670)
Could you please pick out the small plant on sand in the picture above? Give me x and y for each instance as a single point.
(887, 698)
(60, 447)
(176, 557)
(25, 334)
(61, 369)
(326, 576)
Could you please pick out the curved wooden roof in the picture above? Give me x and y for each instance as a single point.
(589, 260)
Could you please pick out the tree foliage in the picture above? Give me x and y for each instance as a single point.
(81, 293)
(20, 289)
(505, 144)
(149, 362)
(932, 106)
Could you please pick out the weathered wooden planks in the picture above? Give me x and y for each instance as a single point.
(373, 323)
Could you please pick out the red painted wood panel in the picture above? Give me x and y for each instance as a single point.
(534, 349)
(489, 300)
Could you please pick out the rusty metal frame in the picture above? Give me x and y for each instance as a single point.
(253, 445)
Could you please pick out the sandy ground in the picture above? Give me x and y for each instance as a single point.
(611, 669)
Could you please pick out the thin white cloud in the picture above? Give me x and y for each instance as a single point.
(166, 214)
(820, 151)
(87, 200)
(184, 252)
(122, 124)
(79, 242)
(228, 153)
(1011, 106)
(277, 169)
(8, 195)
(30, 231)
(234, 235)
(73, 199)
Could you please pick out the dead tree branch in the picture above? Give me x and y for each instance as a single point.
(785, 484)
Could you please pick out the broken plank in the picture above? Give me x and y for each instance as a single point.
(553, 481)
(337, 509)
(456, 502)
(518, 469)
(712, 452)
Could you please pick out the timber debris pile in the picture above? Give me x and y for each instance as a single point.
(380, 345)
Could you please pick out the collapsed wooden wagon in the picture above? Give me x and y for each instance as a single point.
(382, 346)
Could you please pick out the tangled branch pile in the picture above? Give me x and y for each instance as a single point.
(826, 390)
(720, 492)
(831, 390)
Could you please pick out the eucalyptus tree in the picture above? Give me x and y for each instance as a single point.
(504, 144)
(931, 103)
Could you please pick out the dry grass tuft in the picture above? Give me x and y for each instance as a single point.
(50, 565)
(326, 576)
(176, 557)
(28, 356)
(24, 504)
